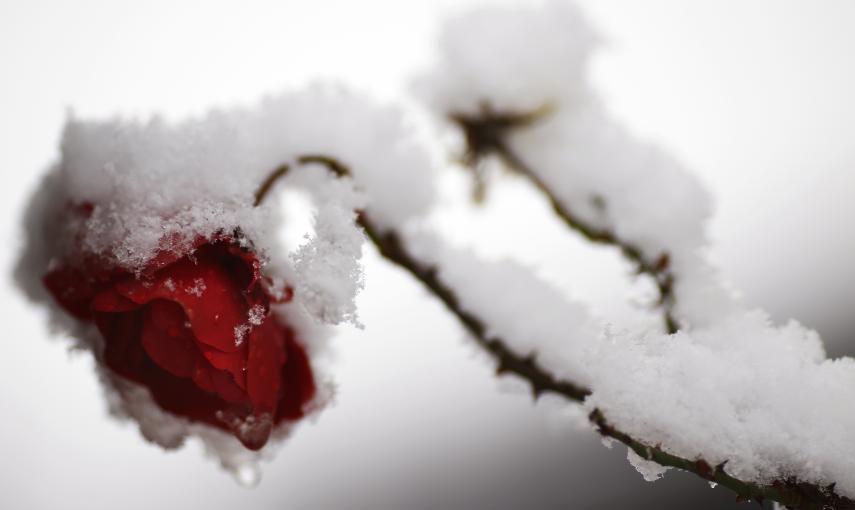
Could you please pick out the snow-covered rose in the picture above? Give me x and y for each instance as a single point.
(158, 244)
(196, 329)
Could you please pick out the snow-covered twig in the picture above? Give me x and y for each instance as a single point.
(486, 134)
(787, 492)
(790, 493)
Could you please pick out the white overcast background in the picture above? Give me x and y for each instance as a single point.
(755, 96)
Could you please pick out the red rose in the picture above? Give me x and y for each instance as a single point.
(197, 331)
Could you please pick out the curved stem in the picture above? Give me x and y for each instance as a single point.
(268, 183)
(332, 164)
(282, 170)
(789, 493)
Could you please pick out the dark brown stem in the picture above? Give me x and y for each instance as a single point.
(656, 269)
(282, 171)
(268, 183)
(392, 248)
(332, 164)
(487, 132)
(790, 493)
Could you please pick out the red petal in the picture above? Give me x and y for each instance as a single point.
(298, 381)
(206, 288)
(136, 349)
(108, 300)
(72, 289)
(170, 343)
(166, 339)
(174, 331)
(225, 387)
(172, 248)
(251, 261)
(264, 366)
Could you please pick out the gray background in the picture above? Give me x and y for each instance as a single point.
(753, 95)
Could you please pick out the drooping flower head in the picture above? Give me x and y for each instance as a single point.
(197, 331)
(150, 239)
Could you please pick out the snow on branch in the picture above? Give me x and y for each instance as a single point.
(512, 82)
(755, 401)
(488, 133)
(744, 404)
(724, 387)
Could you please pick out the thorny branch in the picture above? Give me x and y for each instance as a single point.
(790, 493)
(486, 134)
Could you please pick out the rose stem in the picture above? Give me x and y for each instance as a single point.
(486, 133)
(789, 493)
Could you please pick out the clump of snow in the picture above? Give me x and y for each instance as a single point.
(762, 397)
(159, 186)
(198, 287)
(530, 317)
(126, 189)
(649, 470)
(241, 332)
(702, 297)
(616, 182)
(619, 184)
(384, 149)
(254, 317)
(327, 268)
(535, 58)
(517, 58)
(155, 184)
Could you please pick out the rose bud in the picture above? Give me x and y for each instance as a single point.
(152, 244)
(197, 331)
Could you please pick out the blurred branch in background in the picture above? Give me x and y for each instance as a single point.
(486, 134)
